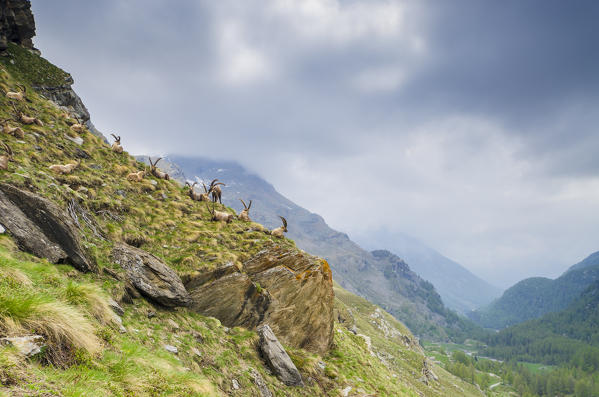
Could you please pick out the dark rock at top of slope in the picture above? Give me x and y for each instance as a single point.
(151, 277)
(42, 228)
(286, 288)
(277, 358)
(16, 23)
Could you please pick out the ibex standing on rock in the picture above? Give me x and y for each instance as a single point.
(245, 214)
(278, 232)
(156, 172)
(116, 146)
(5, 158)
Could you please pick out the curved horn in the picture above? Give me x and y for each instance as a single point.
(250, 206)
(150, 160)
(115, 137)
(284, 221)
(8, 149)
(205, 188)
(156, 162)
(212, 183)
(243, 202)
(219, 183)
(187, 184)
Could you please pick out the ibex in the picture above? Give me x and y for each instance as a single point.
(217, 193)
(5, 158)
(65, 169)
(136, 176)
(197, 196)
(219, 216)
(116, 146)
(245, 214)
(17, 132)
(156, 172)
(78, 127)
(26, 119)
(278, 232)
(17, 95)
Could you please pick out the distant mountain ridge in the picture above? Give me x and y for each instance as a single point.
(460, 289)
(375, 276)
(533, 297)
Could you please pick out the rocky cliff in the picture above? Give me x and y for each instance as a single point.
(16, 24)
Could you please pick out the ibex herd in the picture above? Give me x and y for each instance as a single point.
(211, 193)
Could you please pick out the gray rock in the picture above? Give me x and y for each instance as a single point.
(26, 345)
(260, 383)
(42, 228)
(277, 358)
(171, 349)
(151, 277)
(77, 140)
(2, 229)
(116, 307)
(235, 384)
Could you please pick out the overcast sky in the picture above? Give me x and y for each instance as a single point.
(471, 125)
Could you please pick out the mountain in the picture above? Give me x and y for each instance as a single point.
(113, 284)
(459, 288)
(534, 297)
(375, 276)
(567, 336)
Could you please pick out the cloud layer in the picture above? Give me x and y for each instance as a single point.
(471, 125)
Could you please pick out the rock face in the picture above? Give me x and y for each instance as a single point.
(286, 288)
(151, 277)
(16, 23)
(27, 346)
(277, 359)
(64, 95)
(42, 228)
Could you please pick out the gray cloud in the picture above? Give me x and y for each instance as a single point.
(474, 123)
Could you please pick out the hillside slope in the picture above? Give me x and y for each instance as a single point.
(534, 297)
(413, 300)
(459, 288)
(567, 336)
(109, 325)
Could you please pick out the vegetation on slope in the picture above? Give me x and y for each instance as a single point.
(87, 353)
(534, 297)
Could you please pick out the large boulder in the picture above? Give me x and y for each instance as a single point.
(284, 287)
(152, 278)
(277, 358)
(39, 226)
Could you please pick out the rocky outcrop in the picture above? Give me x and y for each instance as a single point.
(63, 95)
(16, 23)
(286, 288)
(152, 278)
(39, 226)
(27, 346)
(277, 358)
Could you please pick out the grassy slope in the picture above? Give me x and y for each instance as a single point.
(63, 304)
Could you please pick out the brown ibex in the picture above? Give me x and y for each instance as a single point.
(65, 169)
(5, 158)
(156, 172)
(78, 127)
(116, 146)
(245, 214)
(137, 176)
(219, 216)
(26, 119)
(278, 232)
(17, 95)
(17, 132)
(216, 191)
(197, 196)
